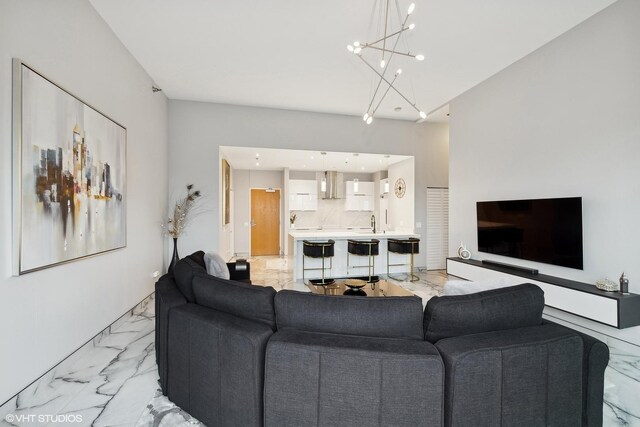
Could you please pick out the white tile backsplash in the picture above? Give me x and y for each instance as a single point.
(331, 214)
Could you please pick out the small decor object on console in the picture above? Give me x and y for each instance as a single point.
(292, 220)
(463, 252)
(607, 285)
(624, 284)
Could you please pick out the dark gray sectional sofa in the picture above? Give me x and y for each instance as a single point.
(235, 354)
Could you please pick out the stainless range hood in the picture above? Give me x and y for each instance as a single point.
(334, 186)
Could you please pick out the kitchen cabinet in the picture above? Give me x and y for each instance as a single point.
(361, 200)
(303, 195)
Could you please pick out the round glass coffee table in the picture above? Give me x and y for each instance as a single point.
(357, 287)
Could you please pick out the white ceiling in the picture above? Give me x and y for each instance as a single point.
(306, 160)
(292, 54)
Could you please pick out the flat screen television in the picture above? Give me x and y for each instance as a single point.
(543, 230)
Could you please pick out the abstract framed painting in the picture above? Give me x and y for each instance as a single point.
(69, 175)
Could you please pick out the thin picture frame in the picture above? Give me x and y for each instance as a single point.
(69, 182)
(226, 192)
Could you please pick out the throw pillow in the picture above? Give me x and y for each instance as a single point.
(216, 266)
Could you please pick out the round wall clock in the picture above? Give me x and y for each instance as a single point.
(400, 188)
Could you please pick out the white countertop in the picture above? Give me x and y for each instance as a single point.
(336, 234)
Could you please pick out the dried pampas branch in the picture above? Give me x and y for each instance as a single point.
(183, 213)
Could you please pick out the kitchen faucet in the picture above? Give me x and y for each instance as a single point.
(373, 223)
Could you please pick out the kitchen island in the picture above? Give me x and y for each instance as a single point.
(357, 267)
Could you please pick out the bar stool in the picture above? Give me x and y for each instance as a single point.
(368, 248)
(318, 250)
(410, 246)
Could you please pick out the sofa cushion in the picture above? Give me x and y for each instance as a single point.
(317, 379)
(389, 317)
(494, 310)
(520, 377)
(216, 366)
(183, 272)
(239, 299)
(198, 257)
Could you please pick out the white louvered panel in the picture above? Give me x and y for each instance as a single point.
(437, 228)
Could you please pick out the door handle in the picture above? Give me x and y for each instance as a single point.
(253, 223)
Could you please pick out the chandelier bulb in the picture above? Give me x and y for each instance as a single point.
(412, 26)
(412, 7)
(357, 50)
(350, 48)
(420, 57)
(423, 115)
(399, 71)
(356, 44)
(382, 63)
(365, 117)
(369, 120)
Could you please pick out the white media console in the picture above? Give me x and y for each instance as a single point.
(582, 299)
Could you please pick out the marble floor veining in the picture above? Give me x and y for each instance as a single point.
(107, 382)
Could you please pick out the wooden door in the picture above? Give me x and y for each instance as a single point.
(265, 222)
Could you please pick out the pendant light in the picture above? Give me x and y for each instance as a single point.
(323, 182)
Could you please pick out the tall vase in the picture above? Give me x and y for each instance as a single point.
(175, 258)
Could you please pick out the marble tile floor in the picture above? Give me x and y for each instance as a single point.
(112, 381)
(107, 382)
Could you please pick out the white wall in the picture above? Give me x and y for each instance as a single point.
(563, 121)
(46, 315)
(197, 129)
(242, 211)
(401, 210)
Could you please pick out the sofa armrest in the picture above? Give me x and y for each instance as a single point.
(314, 378)
(167, 297)
(594, 363)
(524, 376)
(595, 358)
(240, 271)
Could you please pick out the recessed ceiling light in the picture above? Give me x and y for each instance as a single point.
(362, 168)
(386, 156)
(397, 109)
(257, 163)
(257, 155)
(356, 154)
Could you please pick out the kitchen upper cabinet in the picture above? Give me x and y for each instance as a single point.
(303, 195)
(361, 200)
